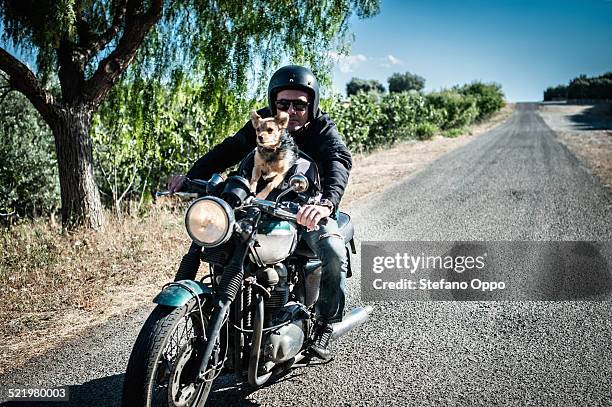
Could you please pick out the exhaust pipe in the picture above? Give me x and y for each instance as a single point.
(352, 320)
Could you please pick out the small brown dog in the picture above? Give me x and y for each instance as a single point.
(276, 151)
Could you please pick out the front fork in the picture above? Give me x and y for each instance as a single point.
(229, 286)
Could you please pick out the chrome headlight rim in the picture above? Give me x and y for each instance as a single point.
(229, 214)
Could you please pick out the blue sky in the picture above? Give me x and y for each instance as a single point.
(524, 45)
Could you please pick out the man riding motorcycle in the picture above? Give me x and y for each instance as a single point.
(295, 89)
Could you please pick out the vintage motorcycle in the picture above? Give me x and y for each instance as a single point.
(253, 314)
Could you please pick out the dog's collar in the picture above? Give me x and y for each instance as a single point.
(267, 149)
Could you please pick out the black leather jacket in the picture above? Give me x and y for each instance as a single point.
(319, 139)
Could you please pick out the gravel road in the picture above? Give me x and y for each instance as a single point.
(514, 183)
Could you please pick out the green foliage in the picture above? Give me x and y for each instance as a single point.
(357, 120)
(582, 87)
(145, 131)
(368, 121)
(29, 185)
(489, 97)
(599, 87)
(455, 132)
(425, 131)
(356, 85)
(555, 93)
(218, 44)
(455, 109)
(405, 82)
(402, 112)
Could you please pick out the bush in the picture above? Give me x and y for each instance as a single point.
(455, 110)
(452, 133)
(555, 93)
(405, 82)
(489, 97)
(358, 121)
(356, 85)
(402, 113)
(583, 87)
(144, 131)
(367, 121)
(425, 131)
(29, 183)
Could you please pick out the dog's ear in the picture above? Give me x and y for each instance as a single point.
(255, 118)
(282, 118)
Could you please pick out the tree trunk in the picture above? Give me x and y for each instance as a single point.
(80, 196)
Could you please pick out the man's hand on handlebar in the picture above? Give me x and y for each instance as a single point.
(175, 183)
(310, 215)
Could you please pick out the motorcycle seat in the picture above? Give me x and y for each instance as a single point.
(345, 227)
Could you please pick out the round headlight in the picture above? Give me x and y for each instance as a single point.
(209, 221)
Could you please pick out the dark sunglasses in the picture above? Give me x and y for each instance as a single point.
(298, 105)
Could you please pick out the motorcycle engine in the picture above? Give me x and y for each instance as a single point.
(285, 342)
(274, 277)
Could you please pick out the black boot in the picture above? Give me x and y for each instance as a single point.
(320, 346)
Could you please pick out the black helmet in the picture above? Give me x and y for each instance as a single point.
(294, 77)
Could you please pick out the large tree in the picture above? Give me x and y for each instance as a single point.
(356, 85)
(404, 82)
(81, 48)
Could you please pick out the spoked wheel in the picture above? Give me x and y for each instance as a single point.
(165, 359)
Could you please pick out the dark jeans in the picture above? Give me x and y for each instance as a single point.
(328, 244)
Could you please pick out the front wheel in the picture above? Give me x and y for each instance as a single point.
(165, 360)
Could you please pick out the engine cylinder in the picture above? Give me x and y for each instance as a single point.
(279, 295)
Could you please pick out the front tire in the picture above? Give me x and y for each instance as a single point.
(165, 358)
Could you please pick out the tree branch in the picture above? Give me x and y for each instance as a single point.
(96, 44)
(71, 72)
(137, 25)
(21, 78)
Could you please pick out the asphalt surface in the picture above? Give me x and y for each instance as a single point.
(514, 183)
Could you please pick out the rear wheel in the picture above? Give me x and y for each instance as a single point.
(165, 360)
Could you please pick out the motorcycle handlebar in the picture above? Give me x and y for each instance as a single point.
(283, 210)
(280, 211)
(190, 189)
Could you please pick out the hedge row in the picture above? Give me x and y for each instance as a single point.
(369, 120)
(582, 87)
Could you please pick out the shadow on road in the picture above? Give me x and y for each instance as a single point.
(576, 271)
(596, 117)
(228, 391)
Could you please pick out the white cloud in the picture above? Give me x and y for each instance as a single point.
(394, 61)
(389, 61)
(347, 63)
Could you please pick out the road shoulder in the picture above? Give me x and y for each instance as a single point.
(586, 130)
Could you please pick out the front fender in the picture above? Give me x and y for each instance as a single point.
(179, 293)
